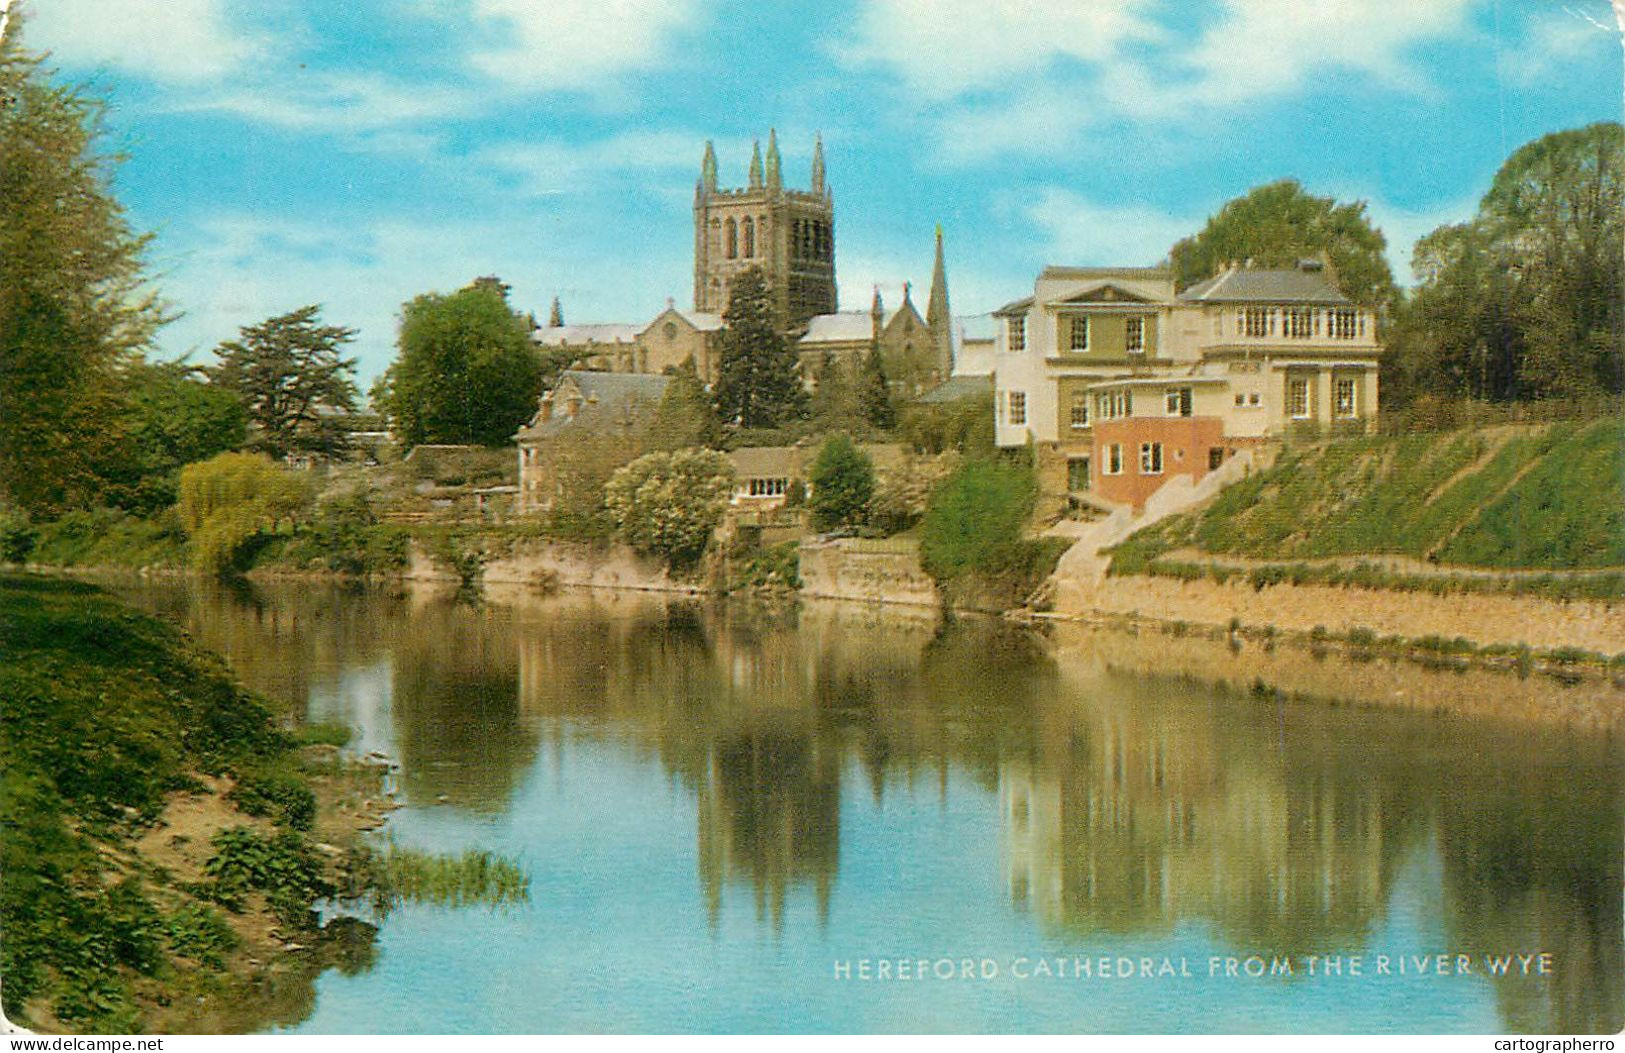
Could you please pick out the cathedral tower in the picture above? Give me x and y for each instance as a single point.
(790, 234)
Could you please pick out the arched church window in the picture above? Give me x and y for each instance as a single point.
(750, 237)
(731, 236)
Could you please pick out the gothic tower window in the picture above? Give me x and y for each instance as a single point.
(750, 237)
(731, 236)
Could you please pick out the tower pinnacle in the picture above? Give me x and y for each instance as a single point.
(756, 165)
(818, 165)
(774, 179)
(708, 169)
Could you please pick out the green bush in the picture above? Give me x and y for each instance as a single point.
(843, 481)
(281, 796)
(669, 503)
(283, 866)
(976, 520)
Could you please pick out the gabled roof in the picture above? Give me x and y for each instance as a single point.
(1134, 273)
(1275, 285)
(1104, 292)
(704, 321)
(571, 335)
(608, 401)
(842, 327)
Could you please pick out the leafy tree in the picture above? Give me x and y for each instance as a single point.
(1278, 224)
(1525, 300)
(74, 306)
(227, 500)
(170, 418)
(668, 503)
(465, 372)
(288, 372)
(758, 382)
(843, 481)
(685, 416)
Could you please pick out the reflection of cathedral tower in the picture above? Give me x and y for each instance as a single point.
(770, 811)
(790, 234)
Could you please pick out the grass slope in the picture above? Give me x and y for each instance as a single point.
(1547, 499)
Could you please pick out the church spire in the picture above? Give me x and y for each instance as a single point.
(938, 319)
(818, 165)
(774, 179)
(756, 165)
(708, 169)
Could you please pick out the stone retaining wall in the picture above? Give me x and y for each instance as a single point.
(874, 573)
(1481, 618)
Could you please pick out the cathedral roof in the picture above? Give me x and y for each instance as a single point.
(842, 327)
(571, 335)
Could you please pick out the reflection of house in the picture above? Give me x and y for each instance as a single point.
(1126, 383)
(585, 425)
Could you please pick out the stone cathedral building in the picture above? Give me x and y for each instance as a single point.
(790, 234)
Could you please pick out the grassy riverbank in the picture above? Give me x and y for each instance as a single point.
(168, 834)
(1535, 510)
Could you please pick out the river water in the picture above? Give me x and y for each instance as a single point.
(833, 818)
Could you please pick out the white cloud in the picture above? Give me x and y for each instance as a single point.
(1081, 232)
(576, 44)
(1031, 75)
(343, 101)
(548, 167)
(177, 41)
(943, 48)
(1555, 39)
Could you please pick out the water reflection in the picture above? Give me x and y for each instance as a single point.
(1127, 804)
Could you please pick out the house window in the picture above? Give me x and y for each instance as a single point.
(1150, 458)
(1079, 340)
(1018, 408)
(1114, 404)
(1254, 399)
(1077, 473)
(1080, 412)
(1343, 398)
(1134, 335)
(1016, 329)
(1114, 459)
(1215, 457)
(1179, 402)
(774, 487)
(1299, 322)
(1256, 321)
(1343, 323)
(1297, 398)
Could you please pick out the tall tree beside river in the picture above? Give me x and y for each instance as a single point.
(74, 304)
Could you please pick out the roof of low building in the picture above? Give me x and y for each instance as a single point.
(1015, 307)
(1303, 284)
(1139, 273)
(769, 462)
(607, 400)
(570, 335)
(959, 387)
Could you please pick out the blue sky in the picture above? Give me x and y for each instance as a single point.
(356, 154)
